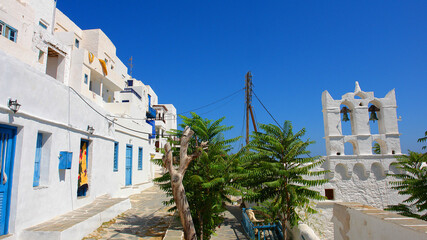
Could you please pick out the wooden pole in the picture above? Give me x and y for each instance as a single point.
(248, 95)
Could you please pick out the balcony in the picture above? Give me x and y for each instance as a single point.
(153, 127)
(130, 90)
(151, 113)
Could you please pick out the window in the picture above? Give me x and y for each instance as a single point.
(116, 157)
(1, 28)
(39, 144)
(86, 78)
(10, 33)
(140, 158)
(329, 194)
(149, 100)
(42, 25)
(77, 43)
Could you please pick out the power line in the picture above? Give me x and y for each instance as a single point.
(267, 110)
(207, 105)
(106, 116)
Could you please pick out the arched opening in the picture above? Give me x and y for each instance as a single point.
(394, 170)
(342, 171)
(360, 171)
(374, 117)
(379, 147)
(378, 170)
(346, 114)
(350, 148)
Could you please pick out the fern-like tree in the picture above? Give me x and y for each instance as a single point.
(277, 168)
(411, 182)
(207, 179)
(423, 140)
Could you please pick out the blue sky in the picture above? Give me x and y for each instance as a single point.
(195, 52)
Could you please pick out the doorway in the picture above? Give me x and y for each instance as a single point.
(82, 179)
(7, 152)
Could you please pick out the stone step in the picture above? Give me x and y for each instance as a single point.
(80, 222)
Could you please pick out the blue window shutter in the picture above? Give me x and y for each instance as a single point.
(37, 160)
(116, 157)
(140, 158)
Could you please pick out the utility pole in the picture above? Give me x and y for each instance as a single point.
(248, 100)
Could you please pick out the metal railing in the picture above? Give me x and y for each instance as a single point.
(261, 231)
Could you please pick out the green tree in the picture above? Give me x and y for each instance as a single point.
(377, 148)
(207, 179)
(412, 182)
(277, 168)
(423, 139)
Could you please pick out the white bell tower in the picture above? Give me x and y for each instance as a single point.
(359, 113)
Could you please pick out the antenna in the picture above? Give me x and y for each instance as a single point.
(130, 65)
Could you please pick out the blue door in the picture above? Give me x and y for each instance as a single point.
(128, 165)
(7, 150)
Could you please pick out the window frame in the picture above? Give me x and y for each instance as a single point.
(77, 43)
(38, 159)
(116, 157)
(140, 158)
(44, 26)
(86, 78)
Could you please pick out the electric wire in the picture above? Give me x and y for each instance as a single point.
(218, 106)
(106, 116)
(268, 111)
(207, 105)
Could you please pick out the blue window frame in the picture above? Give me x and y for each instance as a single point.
(37, 160)
(86, 78)
(77, 43)
(42, 25)
(116, 157)
(149, 100)
(140, 158)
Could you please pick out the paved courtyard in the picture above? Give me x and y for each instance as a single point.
(147, 219)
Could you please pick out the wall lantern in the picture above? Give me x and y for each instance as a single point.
(345, 111)
(13, 105)
(90, 129)
(373, 109)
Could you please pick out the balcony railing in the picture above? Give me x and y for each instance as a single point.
(130, 90)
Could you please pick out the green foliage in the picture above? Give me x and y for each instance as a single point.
(412, 182)
(207, 180)
(278, 172)
(423, 139)
(377, 148)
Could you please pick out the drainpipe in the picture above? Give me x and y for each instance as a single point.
(53, 17)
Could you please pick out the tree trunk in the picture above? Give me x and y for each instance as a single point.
(177, 176)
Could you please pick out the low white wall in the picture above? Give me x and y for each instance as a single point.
(357, 221)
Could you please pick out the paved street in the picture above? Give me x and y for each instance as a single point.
(231, 229)
(147, 219)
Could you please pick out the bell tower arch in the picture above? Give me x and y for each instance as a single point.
(357, 107)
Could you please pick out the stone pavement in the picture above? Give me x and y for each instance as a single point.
(147, 219)
(231, 228)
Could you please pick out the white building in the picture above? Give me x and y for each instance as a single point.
(360, 175)
(76, 100)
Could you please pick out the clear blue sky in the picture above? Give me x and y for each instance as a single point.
(195, 52)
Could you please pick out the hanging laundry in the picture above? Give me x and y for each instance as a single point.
(91, 57)
(82, 178)
(104, 66)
